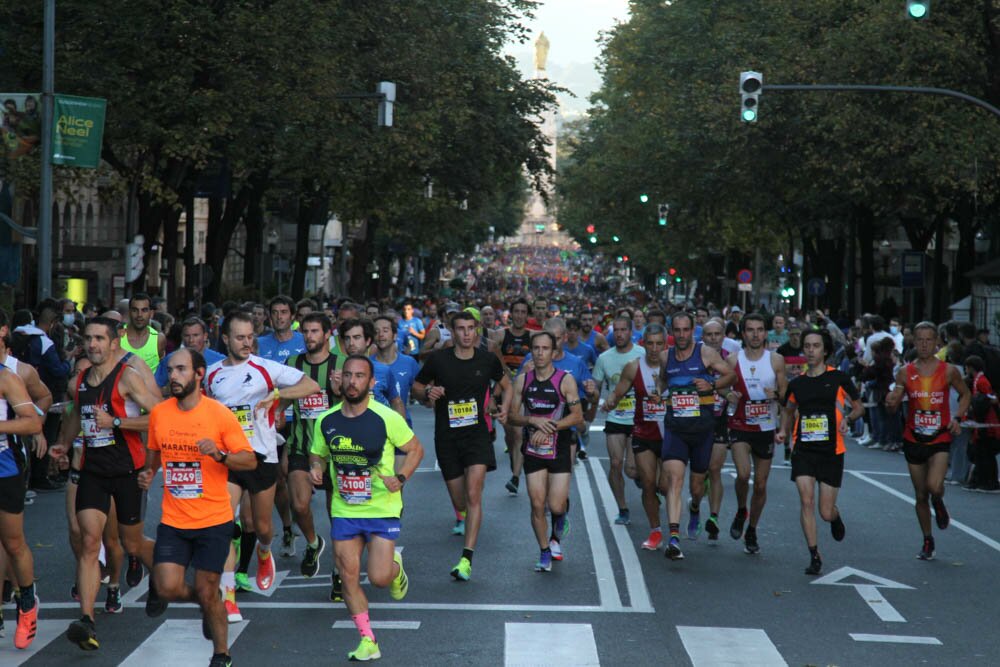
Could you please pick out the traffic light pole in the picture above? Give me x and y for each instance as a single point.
(859, 88)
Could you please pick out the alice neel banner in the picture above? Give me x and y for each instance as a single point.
(77, 128)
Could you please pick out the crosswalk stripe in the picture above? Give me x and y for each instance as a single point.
(177, 643)
(734, 647)
(550, 644)
(47, 631)
(380, 625)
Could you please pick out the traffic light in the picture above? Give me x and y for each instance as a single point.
(134, 255)
(663, 281)
(918, 9)
(624, 258)
(644, 198)
(672, 271)
(590, 229)
(677, 279)
(664, 211)
(615, 238)
(750, 87)
(593, 238)
(787, 292)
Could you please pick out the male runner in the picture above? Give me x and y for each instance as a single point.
(713, 331)
(194, 335)
(197, 440)
(760, 381)
(514, 347)
(18, 416)
(106, 399)
(640, 376)
(359, 438)
(411, 331)
(618, 425)
(249, 386)
(402, 367)
(319, 364)
(819, 398)
(689, 424)
(777, 336)
(577, 347)
(357, 337)
(460, 379)
(140, 338)
(929, 427)
(590, 335)
(547, 405)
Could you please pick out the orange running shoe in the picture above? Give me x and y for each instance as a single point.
(265, 571)
(27, 625)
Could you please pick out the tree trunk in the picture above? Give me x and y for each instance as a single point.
(254, 222)
(361, 253)
(940, 271)
(866, 240)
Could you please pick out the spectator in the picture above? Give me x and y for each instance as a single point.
(985, 441)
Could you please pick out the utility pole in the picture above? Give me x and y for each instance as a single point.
(45, 195)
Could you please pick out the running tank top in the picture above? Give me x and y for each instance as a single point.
(592, 339)
(515, 348)
(444, 335)
(108, 452)
(149, 352)
(650, 409)
(688, 410)
(755, 411)
(10, 461)
(544, 398)
(306, 410)
(929, 412)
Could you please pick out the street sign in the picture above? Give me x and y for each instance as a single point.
(745, 287)
(911, 273)
(816, 287)
(745, 276)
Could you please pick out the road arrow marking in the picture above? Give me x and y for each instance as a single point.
(868, 590)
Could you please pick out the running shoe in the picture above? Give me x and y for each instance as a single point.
(750, 545)
(265, 570)
(113, 605)
(694, 524)
(336, 588)
(155, 606)
(837, 528)
(712, 528)
(366, 650)
(512, 485)
(401, 584)
(233, 614)
(83, 634)
(27, 625)
(243, 584)
(927, 551)
(556, 549)
(221, 660)
(736, 530)
(940, 512)
(462, 571)
(673, 551)
(652, 542)
(134, 572)
(287, 543)
(623, 518)
(815, 565)
(310, 562)
(459, 527)
(544, 563)
(582, 455)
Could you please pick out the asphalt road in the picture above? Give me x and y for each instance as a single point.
(608, 602)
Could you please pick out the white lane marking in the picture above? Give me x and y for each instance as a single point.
(135, 593)
(565, 644)
(868, 590)
(179, 643)
(895, 639)
(635, 581)
(418, 606)
(606, 585)
(380, 625)
(733, 647)
(46, 631)
(988, 541)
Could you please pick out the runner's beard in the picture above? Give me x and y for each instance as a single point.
(184, 391)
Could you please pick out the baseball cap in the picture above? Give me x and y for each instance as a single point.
(735, 309)
(451, 307)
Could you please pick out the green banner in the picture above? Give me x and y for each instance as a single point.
(77, 130)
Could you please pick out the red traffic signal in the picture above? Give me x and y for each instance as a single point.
(672, 271)
(590, 229)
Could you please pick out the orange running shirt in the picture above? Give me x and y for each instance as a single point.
(929, 412)
(194, 485)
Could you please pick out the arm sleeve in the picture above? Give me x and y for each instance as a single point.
(396, 429)
(283, 376)
(319, 446)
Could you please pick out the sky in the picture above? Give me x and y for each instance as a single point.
(572, 27)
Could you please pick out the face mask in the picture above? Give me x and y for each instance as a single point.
(69, 319)
(894, 330)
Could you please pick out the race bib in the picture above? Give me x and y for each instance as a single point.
(546, 450)
(815, 428)
(926, 423)
(94, 436)
(625, 409)
(312, 406)
(758, 413)
(355, 487)
(244, 415)
(183, 479)
(462, 413)
(685, 404)
(653, 411)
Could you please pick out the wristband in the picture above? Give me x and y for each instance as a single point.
(277, 394)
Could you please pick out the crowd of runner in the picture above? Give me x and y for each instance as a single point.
(244, 412)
